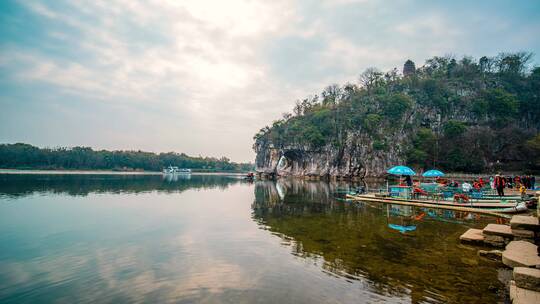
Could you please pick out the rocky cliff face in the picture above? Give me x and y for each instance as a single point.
(356, 159)
(452, 115)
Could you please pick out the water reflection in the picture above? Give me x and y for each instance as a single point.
(125, 239)
(395, 250)
(13, 185)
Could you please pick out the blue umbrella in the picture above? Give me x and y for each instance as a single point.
(402, 229)
(401, 170)
(432, 173)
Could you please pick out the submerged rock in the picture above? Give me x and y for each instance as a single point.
(491, 254)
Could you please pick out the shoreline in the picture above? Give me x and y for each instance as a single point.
(100, 172)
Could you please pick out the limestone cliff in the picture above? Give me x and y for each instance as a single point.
(356, 159)
(451, 115)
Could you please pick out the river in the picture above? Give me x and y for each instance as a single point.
(220, 239)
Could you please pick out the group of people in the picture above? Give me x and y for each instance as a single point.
(528, 181)
(467, 186)
(521, 183)
(497, 182)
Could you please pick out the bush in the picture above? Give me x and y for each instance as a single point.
(453, 129)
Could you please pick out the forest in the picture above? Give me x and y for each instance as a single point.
(25, 156)
(456, 114)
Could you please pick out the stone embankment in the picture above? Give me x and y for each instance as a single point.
(519, 240)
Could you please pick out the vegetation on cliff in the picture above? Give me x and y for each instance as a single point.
(25, 156)
(454, 114)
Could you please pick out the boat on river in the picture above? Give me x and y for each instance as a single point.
(484, 207)
(176, 170)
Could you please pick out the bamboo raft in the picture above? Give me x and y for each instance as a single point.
(501, 208)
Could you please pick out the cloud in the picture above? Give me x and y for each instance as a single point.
(203, 76)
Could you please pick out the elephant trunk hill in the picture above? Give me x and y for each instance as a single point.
(461, 115)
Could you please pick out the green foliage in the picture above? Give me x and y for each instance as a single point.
(534, 143)
(372, 122)
(422, 149)
(314, 137)
(380, 145)
(25, 156)
(395, 105)
(500, 104)
(454, 128)
(460, 112)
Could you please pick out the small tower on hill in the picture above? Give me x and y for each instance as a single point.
(409, 68)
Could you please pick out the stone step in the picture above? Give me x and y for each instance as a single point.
(523, 296)
(521, 254)
(472, 236)
(497, 235)
(528, 278)
(525, 222)
(499, 230)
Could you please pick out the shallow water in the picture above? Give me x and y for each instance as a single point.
(216, 239)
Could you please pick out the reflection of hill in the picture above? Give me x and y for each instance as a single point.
(22, 185)
(355, 241)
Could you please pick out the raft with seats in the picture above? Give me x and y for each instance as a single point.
(479, 207)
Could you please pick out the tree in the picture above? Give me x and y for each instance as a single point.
(454, 128)
(490, 109)
(331, 95)
(370, 78)
(501, 105)
(395, 105)
(514, 64)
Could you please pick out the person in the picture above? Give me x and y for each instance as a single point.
(481, 182)
(408, 181)
(477, 185)
(524, 181)
(499, 184)
(509, 181)
(517, 181)
(454, 184)
(466, 186)
(492, 182)
(523, 191)
(533, 182)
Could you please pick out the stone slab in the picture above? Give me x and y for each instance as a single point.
(525, 222)
(500, 230)
(472, 235)
(523, 296)
(521, 254)
(528, 278)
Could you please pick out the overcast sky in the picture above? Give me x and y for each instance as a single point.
(202, 77)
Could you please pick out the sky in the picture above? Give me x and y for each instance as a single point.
(202, 77)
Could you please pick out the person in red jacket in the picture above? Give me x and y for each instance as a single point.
(499, 184)
(481, 182)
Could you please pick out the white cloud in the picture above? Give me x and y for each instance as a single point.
(217, 69)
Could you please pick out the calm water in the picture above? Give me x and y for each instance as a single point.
(219, 239)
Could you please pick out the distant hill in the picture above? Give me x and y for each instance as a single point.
(463, 115)
(25, 156)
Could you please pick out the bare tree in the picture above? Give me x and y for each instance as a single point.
(370, 78)
(331, 94)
